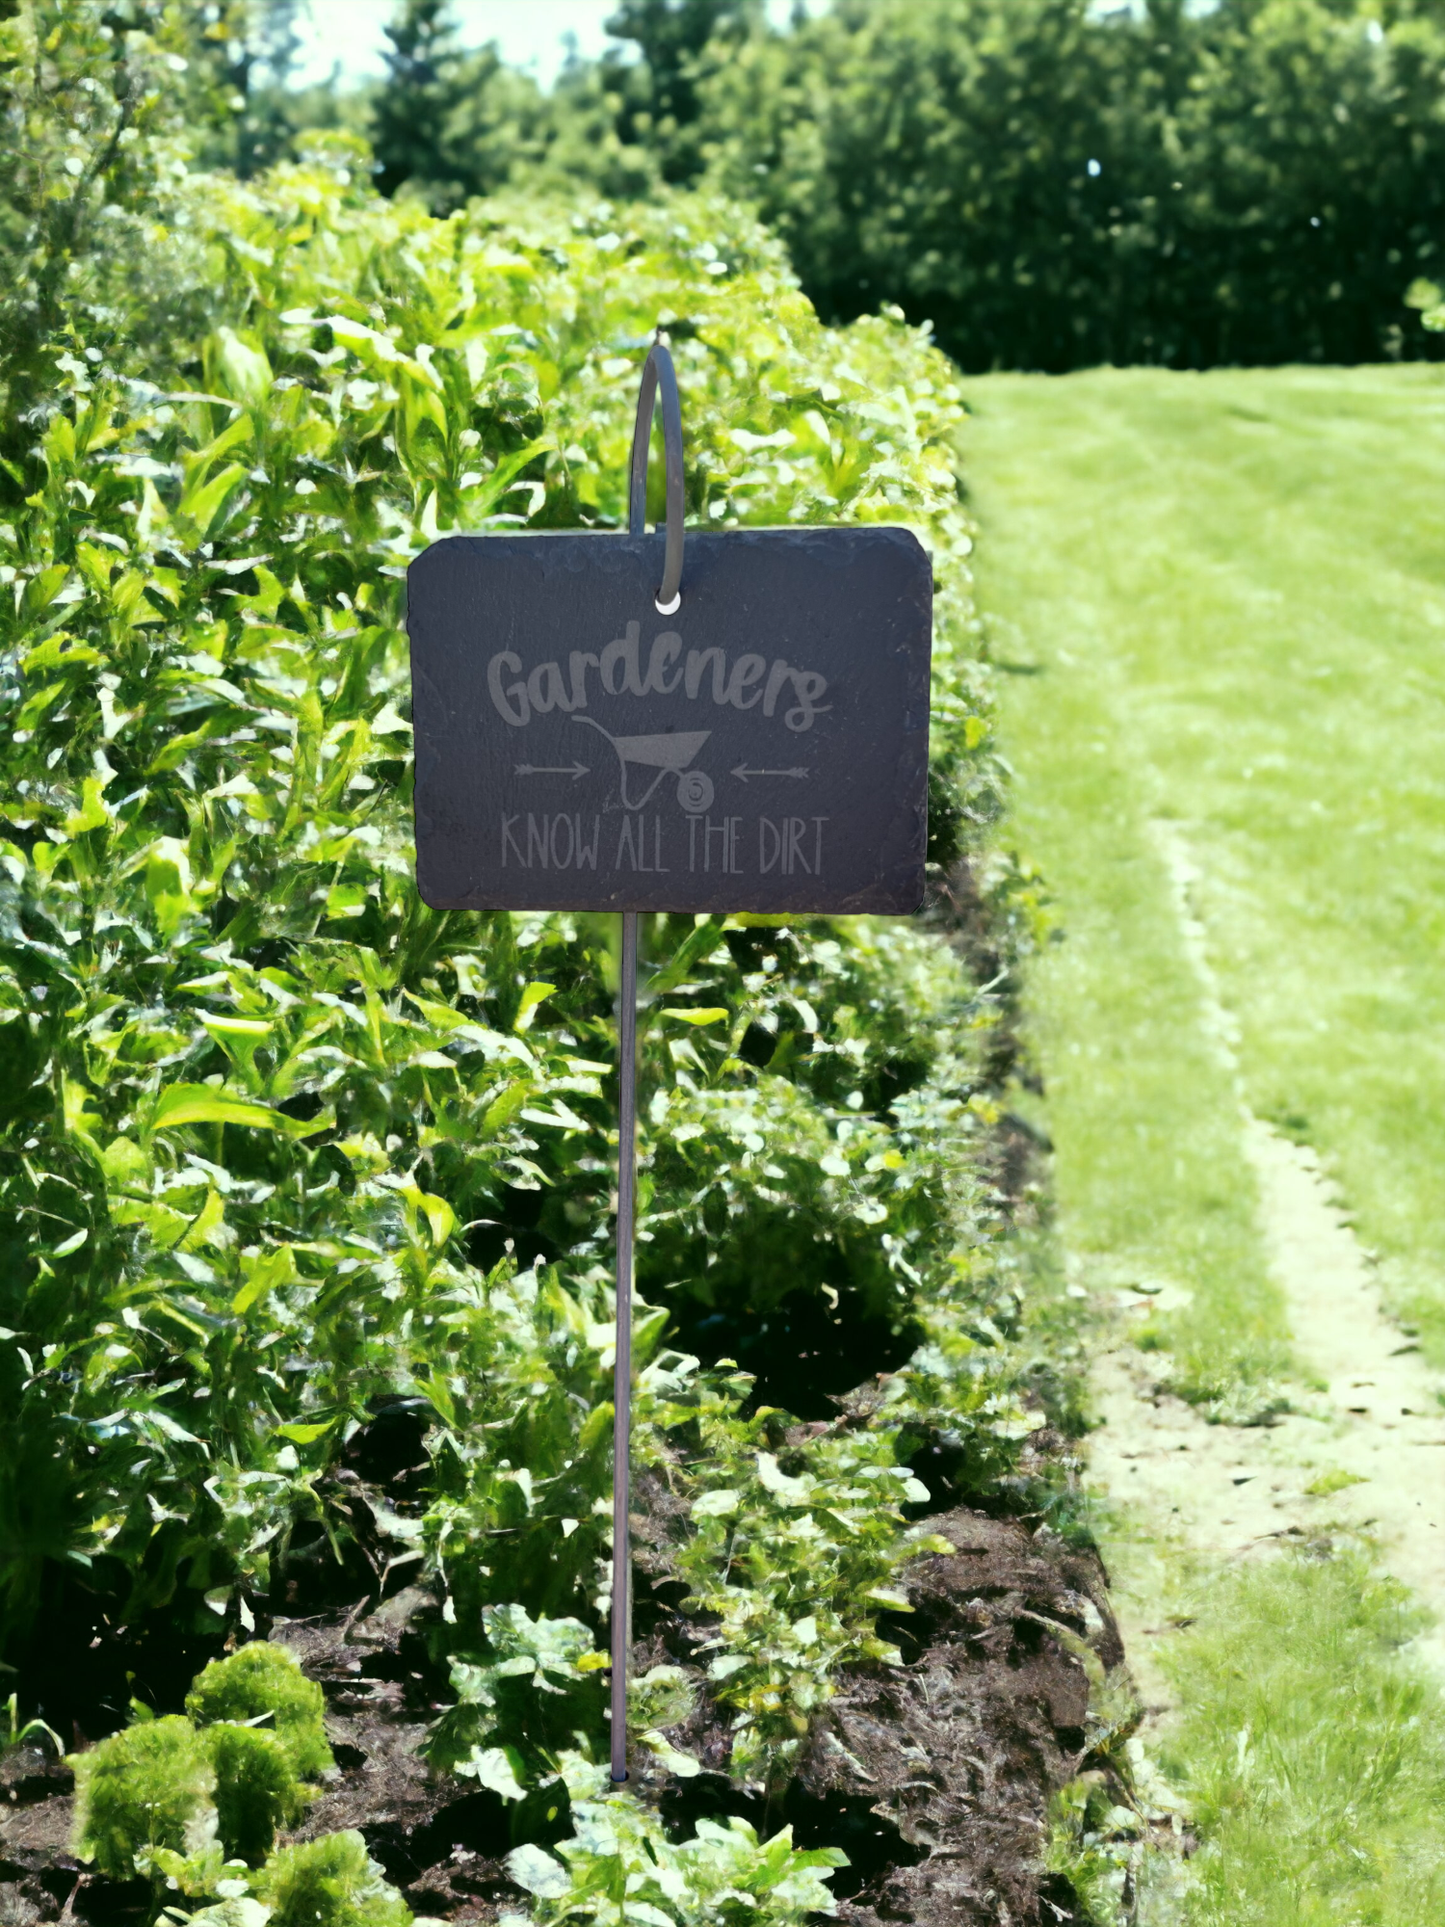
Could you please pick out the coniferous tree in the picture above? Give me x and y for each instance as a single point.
(418, 96)
(449, 123)
(679, 43)
(268, 119)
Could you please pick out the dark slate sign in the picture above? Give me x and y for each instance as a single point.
(763, 748)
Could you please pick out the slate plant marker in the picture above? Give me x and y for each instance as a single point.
(591, 735)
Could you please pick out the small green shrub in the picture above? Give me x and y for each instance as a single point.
(149, 1786)
(538, 1690)
(329, 1882)
(724, 1873)
(261, 1679)
(257, 1790)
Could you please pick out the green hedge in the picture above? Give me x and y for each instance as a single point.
(281, 1147)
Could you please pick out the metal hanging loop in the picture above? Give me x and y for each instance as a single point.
(659, 386)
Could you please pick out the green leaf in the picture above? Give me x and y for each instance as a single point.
(441, 1219)
(264, 1273)
(684, 1765)
(496, 484)
(168, 884)
(204, 505)
(42, 589)
(182, 1104)
(719, 1504)
(505, 1107)
(238, 367)
(532, 996)
(700, 942)
(92, 814)
(237, 1026)
(538, 1872)
(80, 1120)
(35, 706)
(306, 1434)
(501, 1768)
(60, 651)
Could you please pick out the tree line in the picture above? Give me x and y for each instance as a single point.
(1053, 185)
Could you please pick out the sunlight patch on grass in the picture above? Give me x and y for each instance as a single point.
(1311, 1749)
(1150, 1173)
(1335, 1480)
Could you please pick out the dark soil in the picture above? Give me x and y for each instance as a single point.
(934, 1777)
(954, 1755)
(439, 1839)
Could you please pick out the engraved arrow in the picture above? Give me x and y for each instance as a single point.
(574, 770)
(742, 772)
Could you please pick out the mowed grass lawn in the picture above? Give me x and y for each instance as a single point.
(1220, 601)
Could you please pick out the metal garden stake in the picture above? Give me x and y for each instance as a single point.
(763, 749)
(659, 383)
(622, 1367)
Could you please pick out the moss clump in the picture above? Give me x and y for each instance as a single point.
(261, 1679)
(148, 1786)
(257, 1790)
(329, 1882)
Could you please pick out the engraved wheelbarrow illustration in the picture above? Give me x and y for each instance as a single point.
(669, 755)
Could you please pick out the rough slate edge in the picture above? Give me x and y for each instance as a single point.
(907, 832)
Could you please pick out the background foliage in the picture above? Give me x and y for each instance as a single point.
(1052, 184)
(1057, 187)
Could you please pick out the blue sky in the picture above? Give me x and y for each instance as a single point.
(530, 33)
